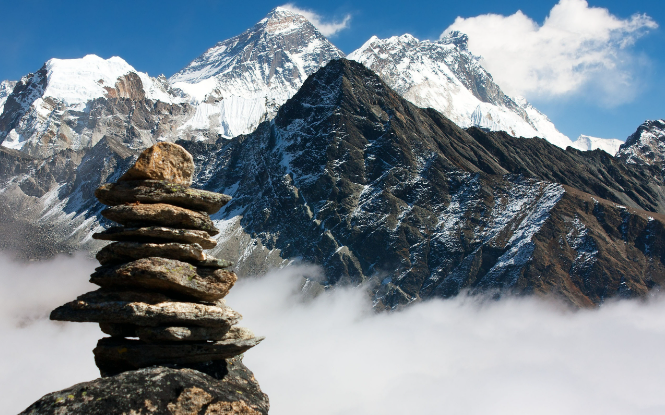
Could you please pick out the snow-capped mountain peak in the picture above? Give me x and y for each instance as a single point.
(242, 81)
(60, 106)
(646, 145)
(77, 81)
(588, 143)
(446, 76)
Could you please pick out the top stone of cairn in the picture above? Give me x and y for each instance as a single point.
(163, 161)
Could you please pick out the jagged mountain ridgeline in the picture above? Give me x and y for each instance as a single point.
(339, 164)
(351, 176)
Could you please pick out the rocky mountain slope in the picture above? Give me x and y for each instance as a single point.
(74, 103)
(348, 174)
(351, 176)
(646, 145)
(243, 80)
(446, 76)
(6, 88)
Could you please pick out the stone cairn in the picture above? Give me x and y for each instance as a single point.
(161, 297)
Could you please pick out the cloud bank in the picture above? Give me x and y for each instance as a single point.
(334, 355)
(578, 49)
(328, 29)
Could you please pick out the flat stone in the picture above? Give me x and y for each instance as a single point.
(121, 252)
(156, 191)
(169, 276)
(144, 309)
(113, 353)
(160, 214)
(162, 390)
(156, 234)
(162, 334)
(163, 161)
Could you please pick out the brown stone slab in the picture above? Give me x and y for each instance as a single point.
(159, 191)
(167, 275)
(156, 234)
(143, 309)
(170, 334)
(160, 214)
(121, 252)
(113, 353)
(163, 161)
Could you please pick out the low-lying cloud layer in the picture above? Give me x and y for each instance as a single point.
(334, 355)
(577, 49)
(327, 28)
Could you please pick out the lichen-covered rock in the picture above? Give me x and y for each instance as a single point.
(159, 191)
(163, 161)
(169, 276)
(115, 355)
(157, 234)
(143, 309)
(160, 214)
(161, 390)
(121, 252)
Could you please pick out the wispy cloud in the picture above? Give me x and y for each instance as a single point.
(333, 354)
(577, 49)
(327, 28)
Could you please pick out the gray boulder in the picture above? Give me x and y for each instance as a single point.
(229, 388)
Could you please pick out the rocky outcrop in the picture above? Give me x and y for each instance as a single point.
(646, 145)
(227, 387)
(162, 305)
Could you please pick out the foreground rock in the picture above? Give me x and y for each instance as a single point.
(143, 309)
(167, 275)
(159, 191)
(161, 390)
(160, 214)
(163, 161)
(117, 355)
(161, 299)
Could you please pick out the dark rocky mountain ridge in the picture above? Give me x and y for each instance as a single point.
(354, 178)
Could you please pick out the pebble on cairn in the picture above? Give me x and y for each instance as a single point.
(161, 297)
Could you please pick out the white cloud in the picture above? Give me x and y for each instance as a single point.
(335, 355)
(577, 49)
(327, 29)
(41, 356)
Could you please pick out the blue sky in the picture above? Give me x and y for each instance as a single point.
(162, 37)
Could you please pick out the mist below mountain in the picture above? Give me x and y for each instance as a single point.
(333, 354)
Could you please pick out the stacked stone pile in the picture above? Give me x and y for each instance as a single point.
(161, 296)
